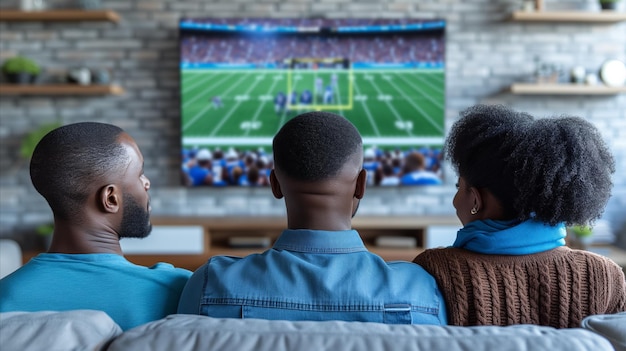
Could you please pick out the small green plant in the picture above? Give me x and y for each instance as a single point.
(609, 4)
(31, 139)
(45, 229)
(20, 64)
(45, 232)
(582, 231)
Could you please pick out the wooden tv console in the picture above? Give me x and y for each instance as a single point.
(217, 231)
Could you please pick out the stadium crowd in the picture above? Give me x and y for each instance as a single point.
(235, 167)
(261, 50)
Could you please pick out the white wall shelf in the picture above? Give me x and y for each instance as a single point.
(564, 89)
(569, 16)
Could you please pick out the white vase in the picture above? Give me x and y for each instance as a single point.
(32, 5)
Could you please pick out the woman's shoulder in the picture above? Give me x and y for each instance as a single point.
(440, 253)
(561, 254)
(592, 259)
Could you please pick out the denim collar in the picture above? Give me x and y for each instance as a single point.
(320, 241)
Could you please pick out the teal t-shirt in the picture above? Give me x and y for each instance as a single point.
(129, 293)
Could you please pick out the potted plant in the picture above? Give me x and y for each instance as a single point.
(20, 70)
(31, 139)
(609, 4)
(45, 231)
(29, 142)
(582, 235)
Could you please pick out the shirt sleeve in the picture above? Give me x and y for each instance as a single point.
(443, 314)
(619, 291)
(191, 296)
(424, 260)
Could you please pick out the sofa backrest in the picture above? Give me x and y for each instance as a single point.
(94, 330)
(55, 331)
(10, 257)
(191, 332)
(611, 326)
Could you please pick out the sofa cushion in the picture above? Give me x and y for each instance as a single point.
(192, 332)
(10, 257)
(48, 330)
(611, 326)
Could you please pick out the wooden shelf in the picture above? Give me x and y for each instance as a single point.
(569, 16)
(564, 89)
(59, 89)
(59, 15)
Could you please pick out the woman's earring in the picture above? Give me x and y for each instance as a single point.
(474, 211)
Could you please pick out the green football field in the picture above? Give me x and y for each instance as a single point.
(391, 108)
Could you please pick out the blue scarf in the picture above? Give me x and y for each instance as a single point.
(509, 237)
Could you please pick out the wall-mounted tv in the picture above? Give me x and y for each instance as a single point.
(243, 78)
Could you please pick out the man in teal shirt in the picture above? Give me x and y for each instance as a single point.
(319, 268)
(91, 175)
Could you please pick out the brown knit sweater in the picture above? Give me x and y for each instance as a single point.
(556, 288)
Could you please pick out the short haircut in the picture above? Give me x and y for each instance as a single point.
(552, 169)
(315, 146)
(68, 160)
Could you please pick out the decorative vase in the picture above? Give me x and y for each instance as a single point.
(610, 5)
(21, 78)
(79, 75)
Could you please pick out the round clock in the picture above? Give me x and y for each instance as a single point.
(613, 73)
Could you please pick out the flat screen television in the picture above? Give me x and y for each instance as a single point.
(241, 79)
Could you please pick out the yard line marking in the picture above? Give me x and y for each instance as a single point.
(233, 141)
(260, 105)
(202, 78)
(336, 90)
(232, 109)
(200, 95)
(367, 110)
(417, 107)
(253, 141)
(209, 106)
(427, 96)
(191, 77)
(393, 109)
(439, 89)
(283, 116)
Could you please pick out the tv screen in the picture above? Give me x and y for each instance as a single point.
(243, 78)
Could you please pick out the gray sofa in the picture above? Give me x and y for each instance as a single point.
(94, 330)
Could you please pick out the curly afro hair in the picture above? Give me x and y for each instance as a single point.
(551, 169)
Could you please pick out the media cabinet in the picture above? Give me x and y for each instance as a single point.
(217, 231)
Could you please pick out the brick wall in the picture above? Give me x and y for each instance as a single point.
(485, 53)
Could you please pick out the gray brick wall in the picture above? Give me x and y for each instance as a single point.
(485, 53)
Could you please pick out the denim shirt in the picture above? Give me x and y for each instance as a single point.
(315, 275)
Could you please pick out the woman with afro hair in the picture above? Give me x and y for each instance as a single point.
(521, 182)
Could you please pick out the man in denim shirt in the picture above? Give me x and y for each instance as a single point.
(319, 268)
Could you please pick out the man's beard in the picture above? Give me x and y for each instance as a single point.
(135, 220)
